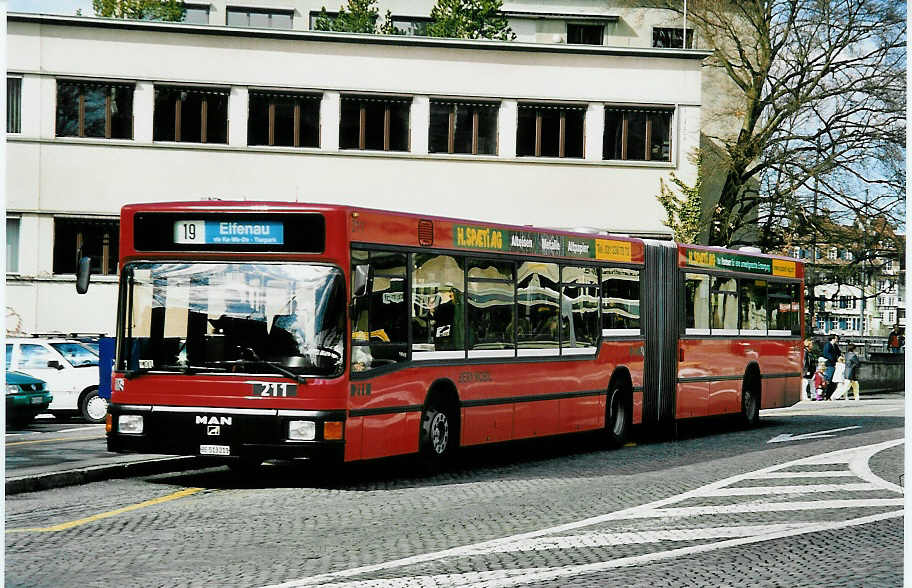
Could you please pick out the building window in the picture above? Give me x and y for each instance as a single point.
(190, 115)
(463, 127)
(412, 26)
(380, 123)
(585, 34)
(290, 120)
(94, 109)
(550, 130)
(832, 253)
(637, 134)
(13, 105)
(79, 237)
(258, 18)
(12, 245)
(196, 14)
(671, 37)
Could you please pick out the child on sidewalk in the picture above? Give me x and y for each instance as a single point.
(820, 381)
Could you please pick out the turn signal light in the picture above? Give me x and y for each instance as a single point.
(332, 430)
(109, 423)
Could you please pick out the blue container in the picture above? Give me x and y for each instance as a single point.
(105, 366)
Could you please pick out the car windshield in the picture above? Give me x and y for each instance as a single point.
(76, 354)
(233, 317)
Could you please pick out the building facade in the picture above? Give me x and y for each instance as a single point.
(102, 113)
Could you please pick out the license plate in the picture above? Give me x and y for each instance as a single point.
(37, 400)
(215, 450)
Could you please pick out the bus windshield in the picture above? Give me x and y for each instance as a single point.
(235, 317)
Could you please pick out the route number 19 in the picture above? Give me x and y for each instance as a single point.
(189, 231)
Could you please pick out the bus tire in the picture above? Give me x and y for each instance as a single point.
(93, 407)
(439, 433)
(617, 416)
(750, 402)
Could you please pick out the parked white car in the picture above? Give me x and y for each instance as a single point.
(69, 368)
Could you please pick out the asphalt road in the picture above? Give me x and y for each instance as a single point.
(812, 497)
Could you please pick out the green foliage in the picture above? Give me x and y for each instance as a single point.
(470, 19)
(683, 212)
(358, 16)
(168, 10)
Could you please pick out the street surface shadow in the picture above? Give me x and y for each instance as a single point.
(580, 455)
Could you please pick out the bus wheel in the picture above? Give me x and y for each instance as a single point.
(617, 417)
(438, 434)
(750, 405)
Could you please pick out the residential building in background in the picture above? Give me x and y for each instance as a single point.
(868, 299)
(572, 125)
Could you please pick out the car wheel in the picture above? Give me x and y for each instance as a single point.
(93, 407)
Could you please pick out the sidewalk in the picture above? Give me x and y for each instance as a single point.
(94, 470)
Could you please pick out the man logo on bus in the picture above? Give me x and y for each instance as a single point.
(213, 420)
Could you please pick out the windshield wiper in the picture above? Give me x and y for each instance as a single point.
(257, 360)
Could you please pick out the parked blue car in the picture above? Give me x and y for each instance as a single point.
(25, 397)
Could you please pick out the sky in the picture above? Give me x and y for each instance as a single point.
(68, 7)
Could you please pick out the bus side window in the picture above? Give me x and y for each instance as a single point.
(784, 309)
(379, 319)
(696, 304)
(620, 297)
(438, 306)
(537, 306)
(724, 311)
(579, 308)
(752, 314)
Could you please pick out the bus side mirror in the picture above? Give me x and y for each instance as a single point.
(83, 275)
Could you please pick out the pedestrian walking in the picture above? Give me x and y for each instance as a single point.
(807, 371)
(896, 340)
(852, 363)
(831, 353)
(838, 379)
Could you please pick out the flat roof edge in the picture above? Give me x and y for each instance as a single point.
(320, 36)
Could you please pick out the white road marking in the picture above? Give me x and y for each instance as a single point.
(511, 578)
(640, 537)
(855, 458)
(787, 475)
(818, 435)
(771, 490)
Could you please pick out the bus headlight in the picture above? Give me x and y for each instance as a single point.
(131, 424)
(302, 430)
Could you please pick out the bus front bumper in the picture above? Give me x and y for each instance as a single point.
(226, 433)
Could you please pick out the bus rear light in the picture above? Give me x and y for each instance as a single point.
(302, 430)
(130, 424)
(332, 430)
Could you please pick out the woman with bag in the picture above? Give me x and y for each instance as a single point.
(852, 363)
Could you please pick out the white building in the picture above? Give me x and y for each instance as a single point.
(105, 112)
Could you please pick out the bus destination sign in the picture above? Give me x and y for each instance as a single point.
(209, 232)
(536, 243)
(740, 263)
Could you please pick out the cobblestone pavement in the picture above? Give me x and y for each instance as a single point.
(718, 507)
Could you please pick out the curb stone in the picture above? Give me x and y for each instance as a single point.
(76, 476)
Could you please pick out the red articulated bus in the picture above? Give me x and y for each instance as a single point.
(255, 331)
